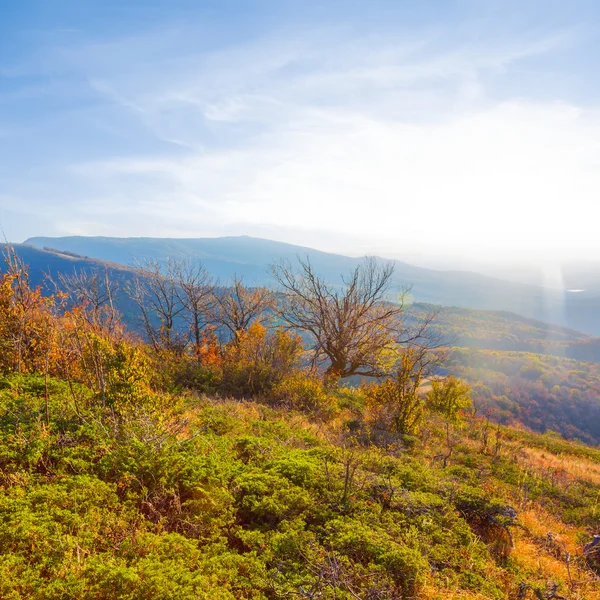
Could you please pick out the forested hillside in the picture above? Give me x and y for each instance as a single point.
(222, 467)
(499, 330)
(540, 392)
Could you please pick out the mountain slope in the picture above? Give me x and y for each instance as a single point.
(251, 257)
(46, 266)
(44, 262)
(252, 502)
(532, 390)
(505, 337)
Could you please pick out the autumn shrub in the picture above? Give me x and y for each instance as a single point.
(394, 409)
(300, 391)
(448, 397)
(200, 371)
(28, 324)
(395, 405)
(256, 361)
(127, 374)
(178, 374)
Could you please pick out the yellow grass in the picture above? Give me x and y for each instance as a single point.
(541, 566)
(572, 467)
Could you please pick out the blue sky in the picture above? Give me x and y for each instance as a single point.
(409, 129)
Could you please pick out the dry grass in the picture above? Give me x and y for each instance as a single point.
(545, 561)
(568, 466)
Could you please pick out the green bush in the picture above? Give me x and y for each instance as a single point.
(196, 500)
(302, 392)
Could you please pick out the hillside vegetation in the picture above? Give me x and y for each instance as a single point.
(499, 330)
(532, 404)
(540, 392)
(200, 497)
(524, 372)
(219, 467)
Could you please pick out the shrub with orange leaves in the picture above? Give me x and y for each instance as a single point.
(28, 324)
(208, 351)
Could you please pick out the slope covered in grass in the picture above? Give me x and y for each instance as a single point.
(196, 497)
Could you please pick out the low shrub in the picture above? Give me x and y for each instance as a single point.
(300, 391)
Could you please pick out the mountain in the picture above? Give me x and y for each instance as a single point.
(492, 330)
(250, 257)
(44, 264)
(45, 267)
(501, 330)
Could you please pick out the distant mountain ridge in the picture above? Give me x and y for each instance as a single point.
(250, 257)
(44, 263)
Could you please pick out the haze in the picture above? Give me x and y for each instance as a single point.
(440, 132)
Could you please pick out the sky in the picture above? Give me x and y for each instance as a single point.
(456, 130)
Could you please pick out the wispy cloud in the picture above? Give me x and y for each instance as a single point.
(388, 143)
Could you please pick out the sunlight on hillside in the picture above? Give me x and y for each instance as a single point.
(299, 300)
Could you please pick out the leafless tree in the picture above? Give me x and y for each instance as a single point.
(237, 307)
(195, 291)
(96, 291)
(154, 291)
(354, 327)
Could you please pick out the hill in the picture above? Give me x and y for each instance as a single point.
(250, 257)
(223, 500)
(502, 330)
(540, 392)
(558, 401)
(224, 469)
(43, 263)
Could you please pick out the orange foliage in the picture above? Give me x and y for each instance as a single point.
(208, 351)
(27, 325)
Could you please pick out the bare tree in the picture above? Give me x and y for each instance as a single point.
(195, 291)
(355, 327)
(154, 291)
(237, 307)
(96, 292)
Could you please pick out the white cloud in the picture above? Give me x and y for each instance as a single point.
(372, 143)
